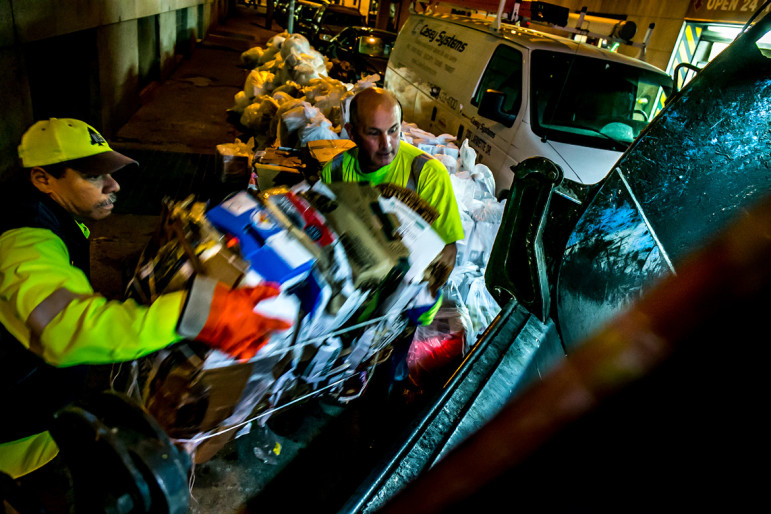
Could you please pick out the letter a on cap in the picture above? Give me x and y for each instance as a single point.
(96, 137)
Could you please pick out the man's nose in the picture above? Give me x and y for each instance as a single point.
(110, 184)
(385, 142)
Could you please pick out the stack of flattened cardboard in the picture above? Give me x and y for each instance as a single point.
(367, 233)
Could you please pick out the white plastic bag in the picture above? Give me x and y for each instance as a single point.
(276, 125)
(318, 128)
(281, 97)
(333, 98)
(465, 188)
(450, 162)
(298, 116)
(292, 119)
(249, 115)
(240, 102)
(295, 44)
(273, 65)
(251, 57)
(289, 87)
(482, 307)
(468, 156)
(258, 83)
(259, 115)
(366, 81)
(273, 47)
(448, 149)
(304, 73)
(487, 217)
(483, 176)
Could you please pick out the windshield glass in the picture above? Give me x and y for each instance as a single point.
(592, 102)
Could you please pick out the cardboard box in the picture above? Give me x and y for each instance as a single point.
(371, 244)
(324, 150)
(268, 176)
(233, 163)
(278, 167)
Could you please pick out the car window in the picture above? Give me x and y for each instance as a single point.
(504, 74)
(305, 12)
(341, 19)
(347, 38)
(374, 46)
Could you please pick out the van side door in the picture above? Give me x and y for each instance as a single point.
(497, 107)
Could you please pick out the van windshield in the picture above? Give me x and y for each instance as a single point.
(592, 102)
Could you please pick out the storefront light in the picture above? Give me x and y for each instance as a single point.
(725, 31)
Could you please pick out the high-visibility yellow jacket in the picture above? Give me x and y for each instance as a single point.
(48, 305)
(431, 181)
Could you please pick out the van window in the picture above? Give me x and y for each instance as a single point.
(504, 74)
(592, 102)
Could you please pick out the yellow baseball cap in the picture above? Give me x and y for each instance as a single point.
(72, 141)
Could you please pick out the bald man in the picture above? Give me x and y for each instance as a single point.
(380, 156)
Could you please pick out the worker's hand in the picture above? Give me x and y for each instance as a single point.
(440, 268)
(230, 325)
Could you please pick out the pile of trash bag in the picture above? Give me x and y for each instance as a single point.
(288, 97)
(468, 307)
(350, 260)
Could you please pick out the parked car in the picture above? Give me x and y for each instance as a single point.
(328, 21)
(304, 10)
(358, 51)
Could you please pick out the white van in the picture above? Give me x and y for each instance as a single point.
(518, 93)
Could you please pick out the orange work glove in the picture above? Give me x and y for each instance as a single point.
(224, 318)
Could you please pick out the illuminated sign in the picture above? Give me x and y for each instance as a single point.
(737, 11)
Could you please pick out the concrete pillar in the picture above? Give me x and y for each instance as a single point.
(402, 14)
(383, 14)
(118, 73)
(17, 109)
(14, 95)
(167, 23)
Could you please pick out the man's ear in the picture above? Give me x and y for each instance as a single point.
(351, 131)
(41, 179)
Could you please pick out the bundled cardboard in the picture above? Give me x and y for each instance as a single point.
(342, 256)
(235, 159)
(368, 234)
(323, 150)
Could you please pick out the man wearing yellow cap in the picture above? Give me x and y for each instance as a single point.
(52, 321)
